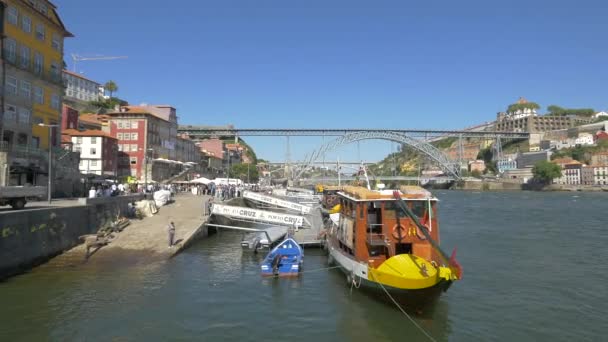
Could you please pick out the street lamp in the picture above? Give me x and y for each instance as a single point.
(146, 169)
(50, 174)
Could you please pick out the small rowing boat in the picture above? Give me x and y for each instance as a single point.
(285, 260)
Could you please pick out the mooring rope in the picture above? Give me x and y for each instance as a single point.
(403, 311)
(313, 270)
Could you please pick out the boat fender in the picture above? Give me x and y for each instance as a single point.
(396, 230)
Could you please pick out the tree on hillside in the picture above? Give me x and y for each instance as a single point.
(522, 106)
(557, 110)
(111, 87)
(545, 171)
(241, 171)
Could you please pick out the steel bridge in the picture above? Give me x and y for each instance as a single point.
(205, 131)
(383, 178)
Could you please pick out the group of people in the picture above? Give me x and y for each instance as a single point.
(107, 190)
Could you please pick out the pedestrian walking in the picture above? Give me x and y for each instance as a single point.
(205, 206)
(171, 231)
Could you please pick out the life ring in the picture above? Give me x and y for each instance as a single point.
(396, 230)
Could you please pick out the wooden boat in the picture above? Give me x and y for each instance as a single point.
(388, 240)
(285, 260)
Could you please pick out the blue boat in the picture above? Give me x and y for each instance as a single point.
(285, 260)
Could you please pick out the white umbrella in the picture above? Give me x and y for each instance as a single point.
(201, 180)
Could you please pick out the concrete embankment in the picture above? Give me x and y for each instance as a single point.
(32, 236)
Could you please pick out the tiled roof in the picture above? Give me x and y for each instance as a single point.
(98, 119)
(87, 133)
(80, 76)
(139, 110)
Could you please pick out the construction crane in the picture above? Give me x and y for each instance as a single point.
(77, 58)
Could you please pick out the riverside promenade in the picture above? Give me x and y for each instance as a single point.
(148, 238)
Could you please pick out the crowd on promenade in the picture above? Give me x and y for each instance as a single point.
(220, 191)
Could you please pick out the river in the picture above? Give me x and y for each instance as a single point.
(534, 270)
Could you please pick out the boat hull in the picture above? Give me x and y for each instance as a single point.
(357, 276)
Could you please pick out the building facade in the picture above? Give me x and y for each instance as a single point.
(33, 55)
(146, 142)
(98, 152)
(213, 146)
(80, 88)
(599, 158)
(69, 118)
(529, 159)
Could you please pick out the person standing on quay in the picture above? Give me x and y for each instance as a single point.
(171, 231)
(205, 206)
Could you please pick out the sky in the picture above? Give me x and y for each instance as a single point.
(343, 64)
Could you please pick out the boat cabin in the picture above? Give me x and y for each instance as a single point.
(370, 230)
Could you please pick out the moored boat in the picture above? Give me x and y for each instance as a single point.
(388, 241)
(285, 260)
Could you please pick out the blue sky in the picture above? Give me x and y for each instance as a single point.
(334, 63)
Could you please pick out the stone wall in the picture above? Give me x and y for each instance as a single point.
(31, 237)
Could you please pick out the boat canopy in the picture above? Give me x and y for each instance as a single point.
(408, 193)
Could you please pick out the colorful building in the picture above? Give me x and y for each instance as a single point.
(69, 118)
(80, 88)
(33, 60)
(98, 151)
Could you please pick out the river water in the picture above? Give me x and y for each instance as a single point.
(534, 270)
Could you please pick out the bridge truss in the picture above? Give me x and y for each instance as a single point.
(450, 167)
(204, 132)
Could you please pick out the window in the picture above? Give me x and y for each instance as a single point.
(133, 160)
(93, 140)
(26, 24)
(93, 151)
(38, 95)
(54, 69)
(26, 89)
(40, 32)
(55, 101)
(93, 162)
(133, 136)
(10, 46)
(42, 8)
(11, 84)
(24, 115)
(119, 136)
(128, 124)
(13, 15)
(25, 57)
(133, 148)
(35, 142)
(119, 124)
(134, 124)
(79, 140)
(38, 63)
(10, 112)
(56, 42)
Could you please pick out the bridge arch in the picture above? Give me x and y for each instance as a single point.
(443, 161)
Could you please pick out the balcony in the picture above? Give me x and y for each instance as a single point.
(51, 76)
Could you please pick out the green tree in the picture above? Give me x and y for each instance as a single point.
(112, 87)
(521, 106)
(241, 171)
(545, 171)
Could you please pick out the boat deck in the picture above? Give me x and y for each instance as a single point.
(264, 238)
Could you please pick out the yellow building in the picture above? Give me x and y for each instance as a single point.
(32, 64)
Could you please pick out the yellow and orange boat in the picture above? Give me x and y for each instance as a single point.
(387, 240)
